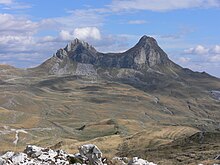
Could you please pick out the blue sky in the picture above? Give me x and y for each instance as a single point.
(188, 30)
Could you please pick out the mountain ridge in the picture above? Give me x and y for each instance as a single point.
(146, 53)
(145, 56)
(144, 66)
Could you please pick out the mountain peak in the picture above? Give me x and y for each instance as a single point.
(75, 43)
(75, 47)
(147, 40)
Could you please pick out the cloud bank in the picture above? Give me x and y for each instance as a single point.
(162, 5)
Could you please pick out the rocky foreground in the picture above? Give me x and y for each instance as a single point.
(88, 154)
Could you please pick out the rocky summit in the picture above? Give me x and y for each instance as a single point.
(137, 103)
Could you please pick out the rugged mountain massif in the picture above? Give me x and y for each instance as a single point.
(146, 54)
(135, 101)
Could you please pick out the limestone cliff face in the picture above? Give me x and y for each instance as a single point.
(145, 54)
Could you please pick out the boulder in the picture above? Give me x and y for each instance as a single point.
(2, 161)
(7, 155)
(91, 153)
(33, 150)
(139, 161)
(119, 161)
(19, 158)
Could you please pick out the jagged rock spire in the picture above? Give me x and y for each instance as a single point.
(76, 42)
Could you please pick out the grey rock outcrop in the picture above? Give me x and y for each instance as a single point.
(91, 153)
(61, 53)
(133, 161)
(86, 70)
(216, 94)
(88, 154)
(34, 155)
(119, 160)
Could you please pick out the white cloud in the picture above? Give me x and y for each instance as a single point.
(17, 34)
(199, 50)
(162, 5)
(80, 18)
(216, 49)
(209, 54)
(5, 2)
(215, 58)
(65, 35)
(202, 50)
(12, 25)
(19, 43)
(47, 39)
(137, 22)
(87, 32)
(184, 59)
(13, 5)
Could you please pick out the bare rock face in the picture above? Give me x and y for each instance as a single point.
(81, 52)
(61, 53)
(72, 46)
(148, 53)
(141, 58)
(86, 70)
